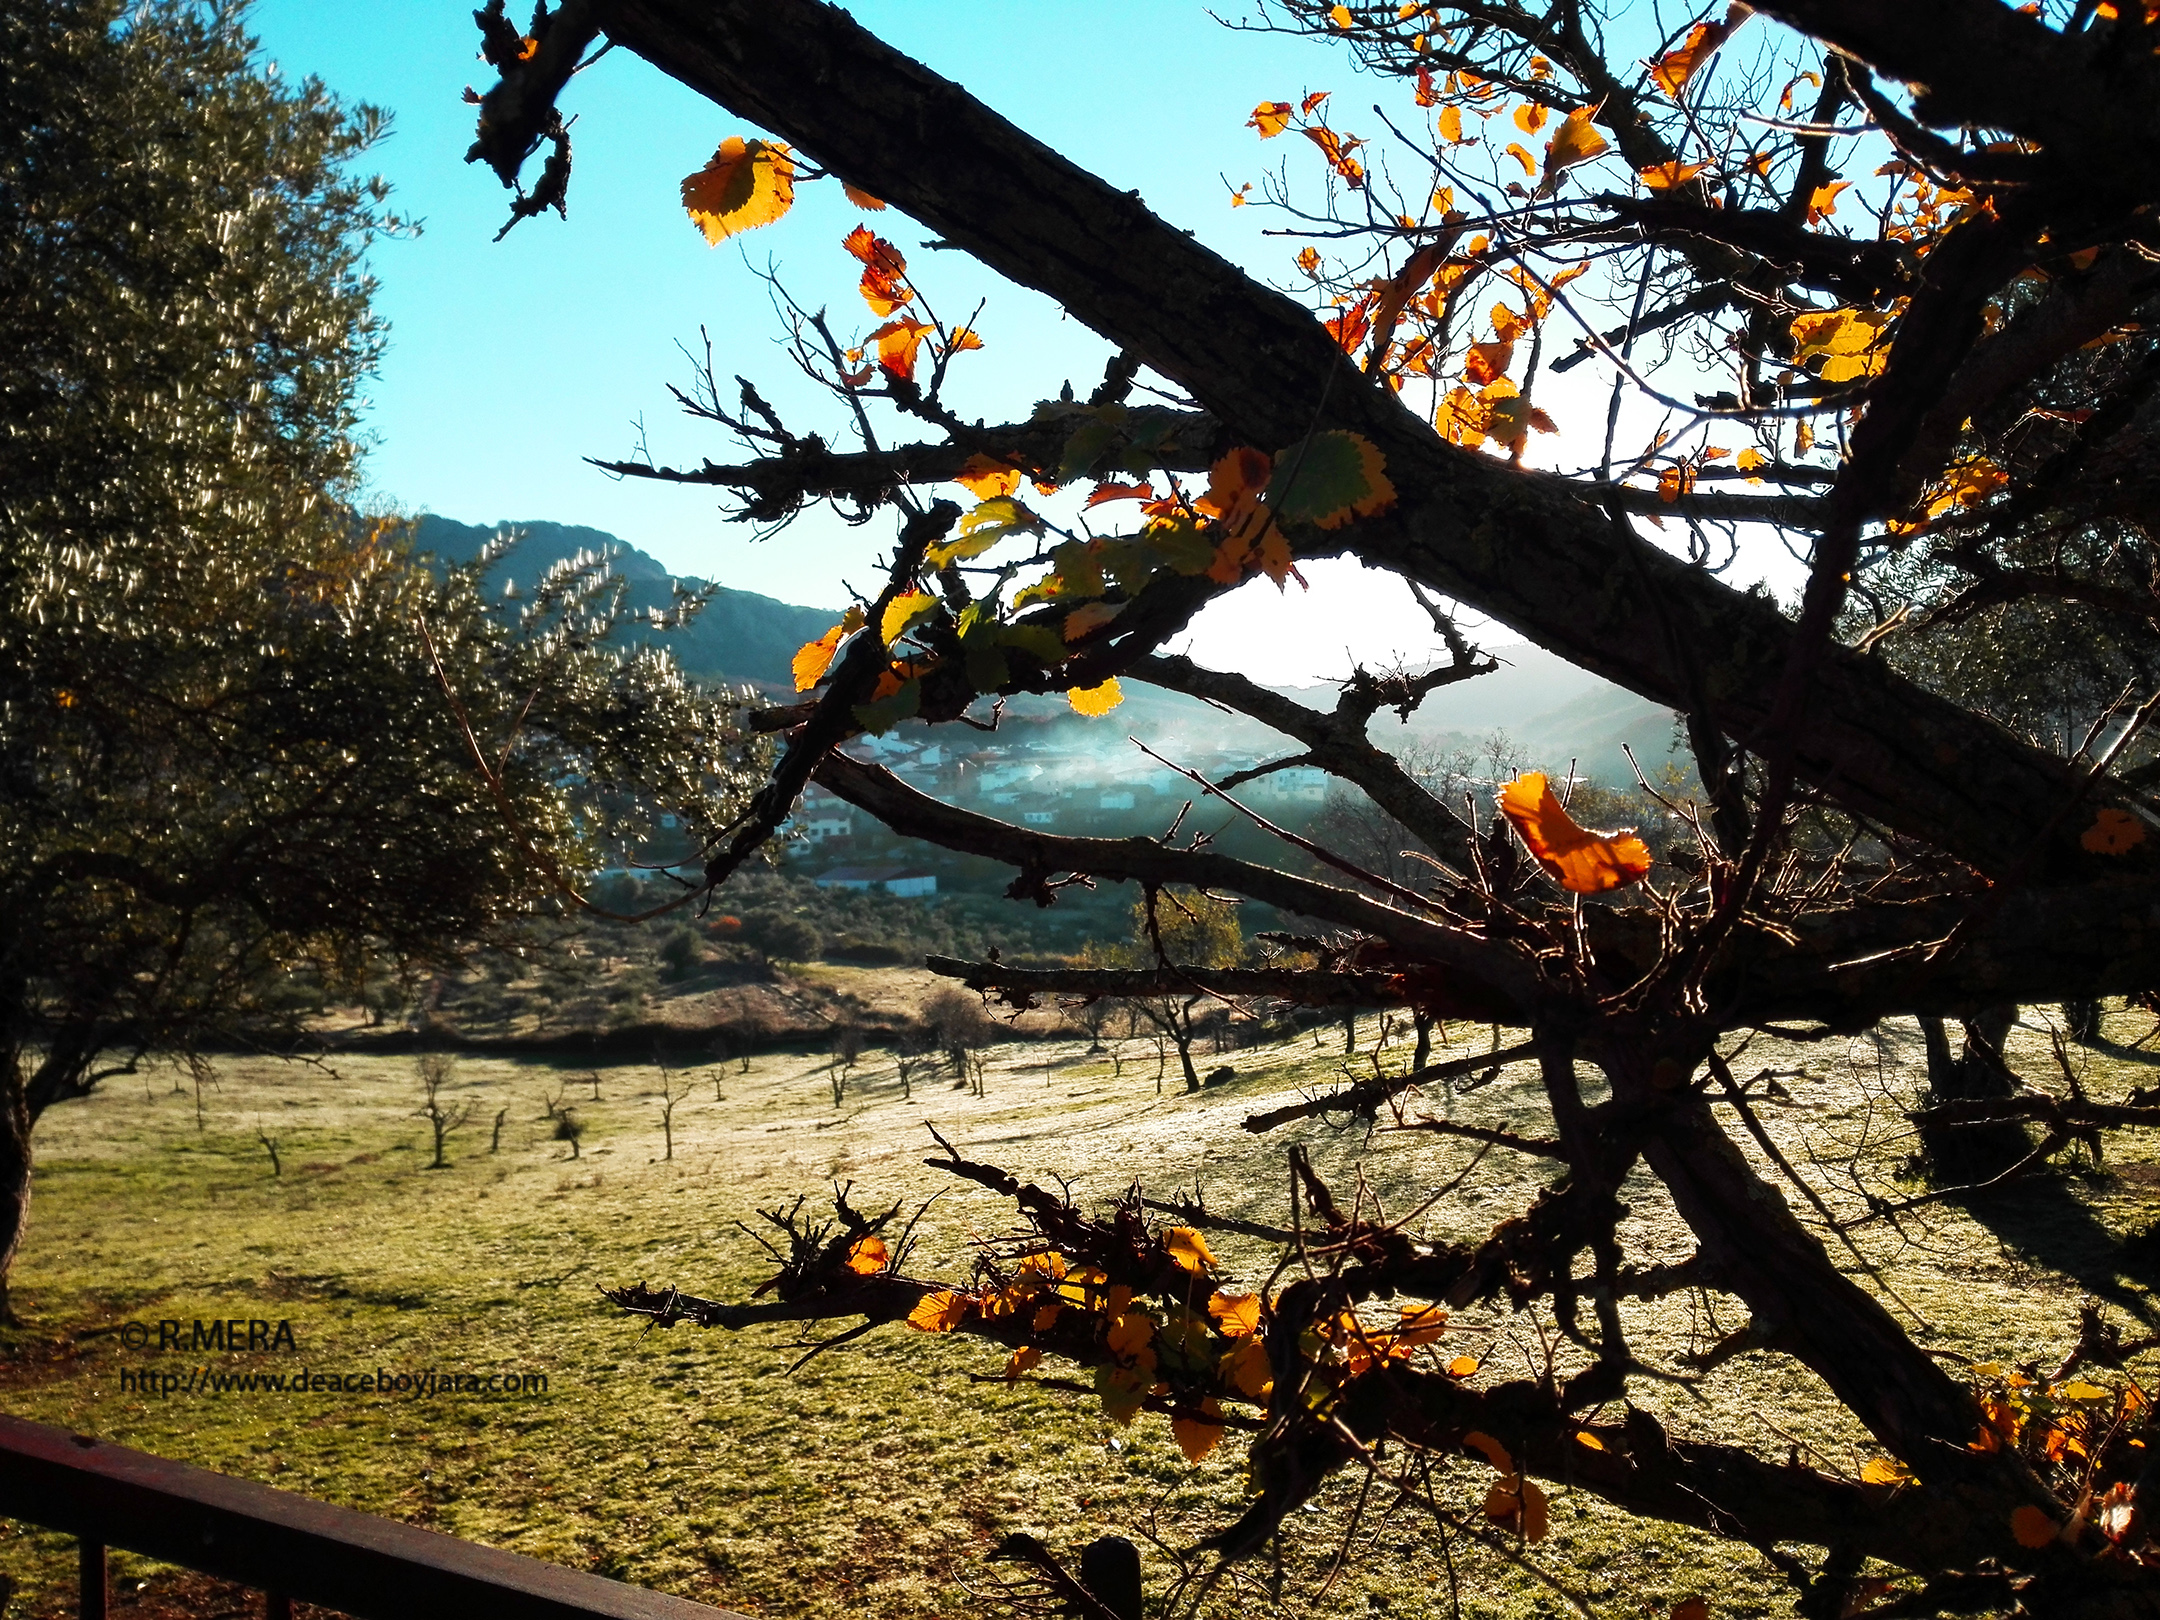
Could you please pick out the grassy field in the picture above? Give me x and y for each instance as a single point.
(870, 1482)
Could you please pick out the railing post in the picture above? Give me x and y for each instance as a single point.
(91, 1557)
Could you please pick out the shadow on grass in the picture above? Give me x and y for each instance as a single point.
(2047, 1222)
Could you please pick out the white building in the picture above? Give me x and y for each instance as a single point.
(905, 881)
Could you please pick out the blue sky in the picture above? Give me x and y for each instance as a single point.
(510, 362)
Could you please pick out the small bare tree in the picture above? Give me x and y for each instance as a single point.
(847, 1051)
(269, 1143)
(674, 1087)
(435, 1071)
(495, 1138)
(568, 1128)
(914, 1053)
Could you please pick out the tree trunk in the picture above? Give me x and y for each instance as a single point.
(2082, 1020)
(14, 1173)
(1967, 1154)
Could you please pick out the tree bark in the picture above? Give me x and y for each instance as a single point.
(14, 1173)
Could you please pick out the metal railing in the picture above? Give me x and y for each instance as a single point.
(286, 1546)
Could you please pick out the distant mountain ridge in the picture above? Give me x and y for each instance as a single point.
(741, 636)
(1555, 711)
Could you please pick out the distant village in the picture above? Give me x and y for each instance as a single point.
(1045, 775)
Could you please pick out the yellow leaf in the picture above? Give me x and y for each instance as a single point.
(1188, 1248)
(1575, 141)
(1451, 126)
(1238, 1315)
(985, 478)
(1583, 1437)
(901, 612)
(1530, 117)
(868, 1256)
(1884, 1471)
(1421, 1324)
(1270, 118)
(745, 185)
(1096, 700)
(1520, 155)
(1748, 460)
(1463, 1367)
(2033, 1528)
(1024, 1358)
(1340, 17)
(1197, 1436)
(940, 1311)
(2079, 1390)
(1129, 1334)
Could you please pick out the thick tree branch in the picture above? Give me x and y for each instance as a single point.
(1537, 559)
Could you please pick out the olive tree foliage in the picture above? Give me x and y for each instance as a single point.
(1877, 281)
(242, 728)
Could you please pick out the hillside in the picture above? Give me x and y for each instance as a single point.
(1555, 712)
(740, 636)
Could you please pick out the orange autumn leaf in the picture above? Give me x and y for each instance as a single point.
(1822, 202)
(1451, 129)
(1337, 149)
(1238, 1315)
(861, 198)
(1270, 118)
(1676, 67)
(2113, 832)
(815, 657)
(1089, 616)
(1246, 1369)
(1581, 861)
(884, 279)
(2032, 1527)
(939, 1312)
(1575, 141)
(1674, 482)
(897, 340)
(1096, 700)
(1235, 482)
(1491, 1450)
(868, 1256)
(746, 184)
(1119, 492)
(986, 478)
(1196, 1436)
(1530, 117)
(1487, 362)
(963, 339)
(1664, 176)
(1463, 1367)
(1024, 1358)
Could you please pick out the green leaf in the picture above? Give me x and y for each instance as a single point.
(886, 713)
(1089, 441)
(990, 522)
(987, 670)
(1182, 548)
(1334, 477)
(1038, 641)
